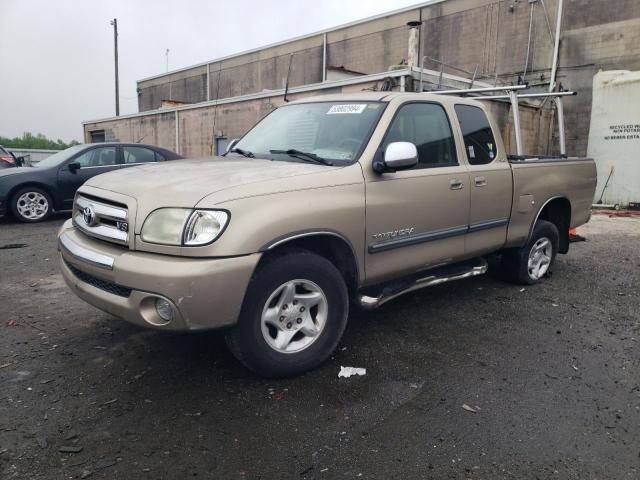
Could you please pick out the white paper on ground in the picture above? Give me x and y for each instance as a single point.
(346, 372)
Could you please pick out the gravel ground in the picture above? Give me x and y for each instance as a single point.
(476, 379)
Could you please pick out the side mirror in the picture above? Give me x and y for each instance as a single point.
(19, 161)
(397, 156)
(232, 144)
(73, 167)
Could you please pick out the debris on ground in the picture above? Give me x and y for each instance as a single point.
(70, 449)
(347, 372)
(471, 409)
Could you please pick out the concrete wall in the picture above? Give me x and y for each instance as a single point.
(198, 127)
(487, 36)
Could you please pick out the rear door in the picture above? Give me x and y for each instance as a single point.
(93, 161)
(491, 183)
(417, 218)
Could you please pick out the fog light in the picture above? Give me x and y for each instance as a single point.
(164, 309)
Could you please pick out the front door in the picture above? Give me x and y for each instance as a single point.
(417, 218)
(92, 162)
(491, 184)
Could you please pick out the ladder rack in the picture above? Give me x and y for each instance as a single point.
(512, 95)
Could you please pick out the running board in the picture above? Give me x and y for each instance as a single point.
(449, 273)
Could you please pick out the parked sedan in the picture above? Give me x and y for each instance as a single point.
(33, 193)
(7, 159)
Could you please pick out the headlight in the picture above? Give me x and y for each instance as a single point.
(181, 226)
(204, 226)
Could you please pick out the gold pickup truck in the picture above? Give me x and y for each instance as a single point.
(329, 201)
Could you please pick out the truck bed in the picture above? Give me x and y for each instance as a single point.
(538, 180)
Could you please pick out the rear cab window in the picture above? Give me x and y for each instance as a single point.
(479, 142)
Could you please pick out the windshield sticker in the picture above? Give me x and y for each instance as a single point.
(347, 108)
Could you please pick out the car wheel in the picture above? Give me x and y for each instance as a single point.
(532, 263)
(293, 315)
(31, 205)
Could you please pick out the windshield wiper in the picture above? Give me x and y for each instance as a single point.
(244, 153)
(292, 152)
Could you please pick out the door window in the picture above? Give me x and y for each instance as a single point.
(138, 155)
(426, 125)
(97, 157)
(479, 142)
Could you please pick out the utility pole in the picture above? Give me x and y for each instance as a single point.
(167, 54)
(114, 22)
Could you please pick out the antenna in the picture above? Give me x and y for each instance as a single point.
(286, 85)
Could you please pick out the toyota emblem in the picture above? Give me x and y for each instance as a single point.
(88, 215)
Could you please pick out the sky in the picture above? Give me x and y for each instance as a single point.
(56, 56)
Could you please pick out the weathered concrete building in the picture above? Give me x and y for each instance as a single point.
(459, 42)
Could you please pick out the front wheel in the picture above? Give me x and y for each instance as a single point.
(293, 315)
(532, 263)
(31, 205)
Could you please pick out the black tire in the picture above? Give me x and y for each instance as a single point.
(515, 262)
(18, 198)
(246, 339)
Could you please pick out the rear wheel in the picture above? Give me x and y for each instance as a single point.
(293, 315)
(31, 205)
(532, 263)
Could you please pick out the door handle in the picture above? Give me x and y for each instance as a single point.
(480, 181)
(456, 184)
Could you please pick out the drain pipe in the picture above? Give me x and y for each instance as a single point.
(556, 47)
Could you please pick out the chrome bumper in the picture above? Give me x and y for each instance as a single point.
(204, 293)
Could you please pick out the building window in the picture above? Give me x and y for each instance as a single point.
(97, 136)
(221, 145)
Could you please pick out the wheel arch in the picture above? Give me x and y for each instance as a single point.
(334, 246)
(556, 210)
(47, 188)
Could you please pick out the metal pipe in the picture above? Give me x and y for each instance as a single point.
(504, 88)
(324, 57)
(526, 95)
(177, 132)
(559, 107)
(526, 60)
(515, 108)
(114, 22)
(208, 82)
(554, 65)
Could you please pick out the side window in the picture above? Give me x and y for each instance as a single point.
(138, 155)
(97, 157)
(478, 137)
(159, 157)
(426, 125)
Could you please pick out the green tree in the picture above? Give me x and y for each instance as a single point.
(38, 141)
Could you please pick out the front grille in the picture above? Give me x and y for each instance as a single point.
(104, 285)
(102, 219)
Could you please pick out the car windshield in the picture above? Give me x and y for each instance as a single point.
(335, 132)
(57, 158)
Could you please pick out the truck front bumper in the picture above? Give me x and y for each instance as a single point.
(199, 293)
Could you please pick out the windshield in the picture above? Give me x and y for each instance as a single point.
(57, 158)
(337, 132)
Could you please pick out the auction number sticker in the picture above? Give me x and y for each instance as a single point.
(347, 108)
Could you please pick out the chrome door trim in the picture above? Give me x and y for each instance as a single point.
(499, 222)
(417, 239)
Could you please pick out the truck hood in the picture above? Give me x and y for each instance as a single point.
(183, 183)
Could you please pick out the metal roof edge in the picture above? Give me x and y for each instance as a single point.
(294, 39)
(264, 94)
